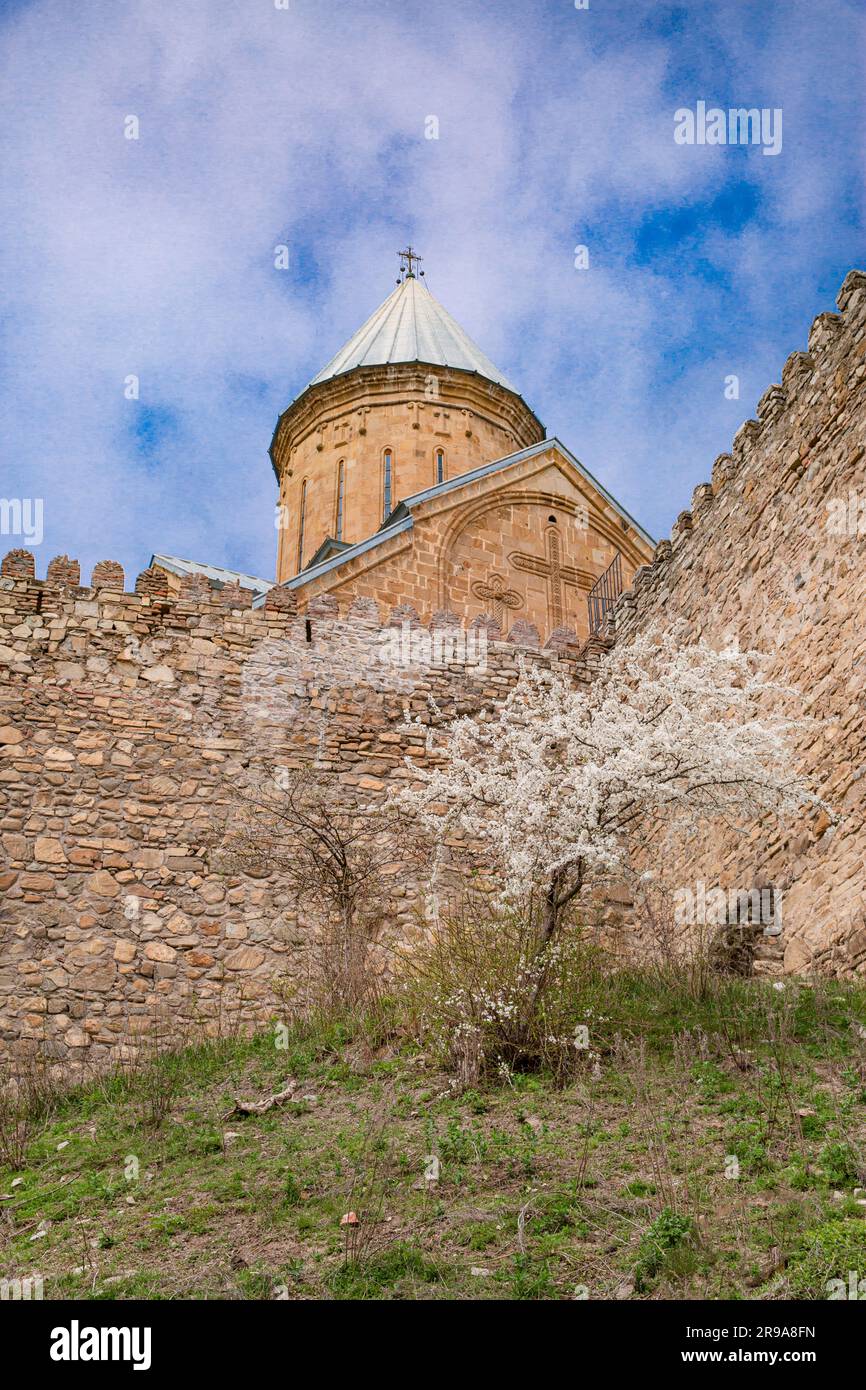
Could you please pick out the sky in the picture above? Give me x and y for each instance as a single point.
(307, 126)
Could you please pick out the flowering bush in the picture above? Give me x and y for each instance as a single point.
(485, 998)
(554, 782)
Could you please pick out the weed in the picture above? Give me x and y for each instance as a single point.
(668, 1233)
(827, 1252)
(383, 1273)
(530, 1279)
(840, 1164)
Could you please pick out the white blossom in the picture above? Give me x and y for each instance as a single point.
(552, 781)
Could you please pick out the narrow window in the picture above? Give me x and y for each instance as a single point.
(387, 481)
(341, 484)
(440, 465)
(301, 519)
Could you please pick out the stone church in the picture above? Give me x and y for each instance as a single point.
(412, 472)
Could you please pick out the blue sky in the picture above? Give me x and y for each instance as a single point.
(306, 126)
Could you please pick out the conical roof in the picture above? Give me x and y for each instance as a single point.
(412, 326)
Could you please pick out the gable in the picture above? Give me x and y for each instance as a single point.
(523, 538)
(566, 471)
(562, 476)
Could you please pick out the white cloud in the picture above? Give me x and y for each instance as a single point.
(260, 126)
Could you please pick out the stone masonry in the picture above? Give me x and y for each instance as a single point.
(130, 723)
(771, 555)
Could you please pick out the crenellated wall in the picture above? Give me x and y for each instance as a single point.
(771, 555)
(130, 724)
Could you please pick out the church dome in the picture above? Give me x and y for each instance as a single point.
(412, 326)
(408, 403)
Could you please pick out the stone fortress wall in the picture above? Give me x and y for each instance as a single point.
(771, 555)
(130, 722)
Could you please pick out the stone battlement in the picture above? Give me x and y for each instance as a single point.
(816, 400)
(132, 723)
(772, 556)
(197, 603)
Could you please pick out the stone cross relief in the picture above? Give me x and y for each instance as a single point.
(554, 571)
(501, 598)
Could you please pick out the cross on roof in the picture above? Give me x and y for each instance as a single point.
(409, 259)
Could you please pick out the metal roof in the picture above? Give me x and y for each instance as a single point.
(215, 573)
(482, 471)
(313, 571)
(329, 547)
(412, 326)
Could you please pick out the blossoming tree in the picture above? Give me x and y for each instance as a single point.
(553, 781)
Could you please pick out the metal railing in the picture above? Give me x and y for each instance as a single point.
(604, 593)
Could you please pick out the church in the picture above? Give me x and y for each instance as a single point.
(412, 472)
(414, 477)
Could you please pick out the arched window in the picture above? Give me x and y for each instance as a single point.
(387, 482)
(440, 465)
(302, 516)
(341, 490)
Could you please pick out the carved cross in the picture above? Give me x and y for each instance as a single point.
(555, 572)
(499, 595)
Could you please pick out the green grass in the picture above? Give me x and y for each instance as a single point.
(392, 1272)
(827, 1252)
(619, 1182)
(663, 1246)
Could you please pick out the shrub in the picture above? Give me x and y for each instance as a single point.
(485, 996)
(28, 1099)
(328, 848)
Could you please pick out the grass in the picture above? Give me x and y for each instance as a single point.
(712, 1152)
